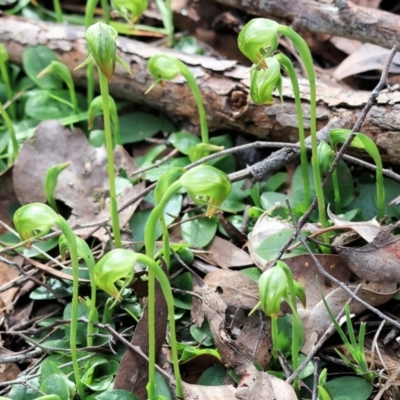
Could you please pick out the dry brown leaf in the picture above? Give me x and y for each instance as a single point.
(81, 186)
(378, 261)
(9, 372)
(348, 46)
(234, 288)
(367, 3)
(255, 385)
(7, 274)
(366, 229)
(367, 58)
(315, 317)
(225, 254)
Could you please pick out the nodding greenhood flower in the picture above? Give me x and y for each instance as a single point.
(273, 288)
(117, 266)
(133, 7)
(166, 180)
(163, 67)
(96, 108)
(265, 81)
(208, 185)
(101, 41)
(258, 39)
(82, 249)
(33, 220)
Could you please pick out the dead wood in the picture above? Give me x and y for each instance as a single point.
(335, 17)
(224, 86)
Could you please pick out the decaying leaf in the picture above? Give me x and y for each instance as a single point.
(366, 229)
(368, 57)
(7, 274)
(378, 261)
(315, 317)
(235, 288)
(255, 385)
(265, 227)
(82, 186)
(225, 254)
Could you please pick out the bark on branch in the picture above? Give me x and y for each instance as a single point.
(224, 86)
(339, 18)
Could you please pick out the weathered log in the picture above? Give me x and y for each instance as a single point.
(223, 83)
(335, 17)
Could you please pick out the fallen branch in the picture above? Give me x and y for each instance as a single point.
(343, 18)
(224, 86)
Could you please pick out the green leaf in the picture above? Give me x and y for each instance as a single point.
(99, 373)
(183, 141)
(353, 387)
(203, 334)
(271, 246)
(56, 384)
(22, 392)
(198, 232)
(81, 331)
(138, 126)
(188, 352)
(162, 388)
(43, 106)
(234, 202)
(34, 60)
(271, 199)
(253, 273)
(41, 293)
(189, 45)
(116, 394)
(183, 282)
(97, 137)
(273, 183)
(213, 376)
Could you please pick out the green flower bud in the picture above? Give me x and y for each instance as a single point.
(82, 248)
(300, 293)
(265, 81)
(96, 108)
(50, 182)
(258, 39)
(3, 53)
(272, 286)
(57, 68)
(131, 10)
(325, 156)
(165, 181)
(117, 266)
(34, 220)
(163, 67)
(208, 185)
(101, 41)
(201, 150)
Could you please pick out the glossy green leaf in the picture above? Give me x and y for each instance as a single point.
(162, 388)
(43, 106)
(34, 60)
(203, 334)
(189, 352)
(183, 141)
(213, 376)
(56, 384)
(253, 273)
(138, 126)
(183, 282)
(99, 373)
(198, 232)
(271, 199)
(354, 387)
(273, 183)
(22, 392)
(116, 394)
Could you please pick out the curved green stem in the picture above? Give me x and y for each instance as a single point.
(9, 92)
(287, 64)
(166, 289)
(73, 251)
(150, 239)
(194, 87)
(11, 130)
(110, 160)
(166, 247)
(106, 10)
(304, 52)
(167, 17)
